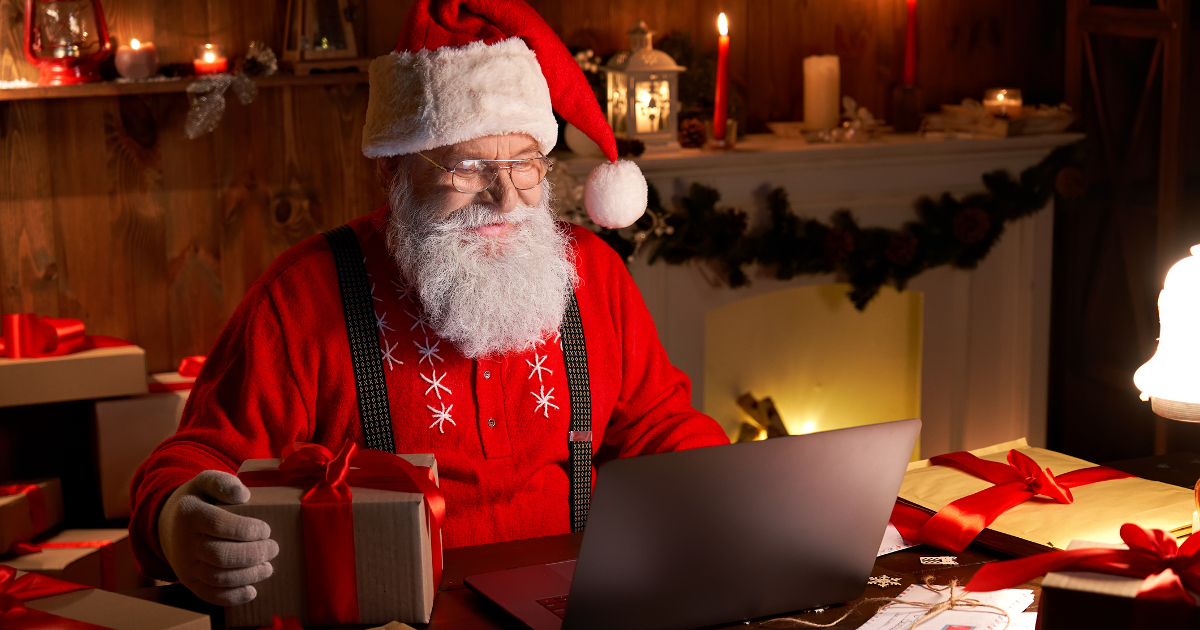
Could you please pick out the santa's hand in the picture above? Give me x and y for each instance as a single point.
(216, 554)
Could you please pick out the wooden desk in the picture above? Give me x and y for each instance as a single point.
(459, 608)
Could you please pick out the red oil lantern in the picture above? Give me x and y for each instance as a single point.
(66, 39)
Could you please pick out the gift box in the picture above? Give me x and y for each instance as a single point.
(98, 558)
(1097, 601)
(1148, 582)
(50, 603)
(366, 550)
(1040, 501)
(127, 432)
(96, 373)
(27, 509)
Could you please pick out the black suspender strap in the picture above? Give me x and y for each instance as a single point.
(365, 354)
(579, 438)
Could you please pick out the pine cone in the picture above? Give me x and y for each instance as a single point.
(692, 133)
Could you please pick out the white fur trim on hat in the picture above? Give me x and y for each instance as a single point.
(615, 196)
(432, 98)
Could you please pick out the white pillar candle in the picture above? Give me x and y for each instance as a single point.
(822, 91)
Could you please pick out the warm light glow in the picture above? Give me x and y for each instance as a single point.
(722, 25)
(210, 57)
(1000, 96)
(135, 44)
(1174, 371)
(808, 427)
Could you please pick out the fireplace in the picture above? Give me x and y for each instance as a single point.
(985, 332)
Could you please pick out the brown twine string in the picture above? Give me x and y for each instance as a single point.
(954, 602)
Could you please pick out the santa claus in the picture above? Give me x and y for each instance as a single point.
(460, 320)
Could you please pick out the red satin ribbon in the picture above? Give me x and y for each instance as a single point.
(328, 519)
(37, 502)
(15, 591)
(108, 556)
(286, 623)
(28, 336)
(956, 525)
(1170, 570)
(189, 367)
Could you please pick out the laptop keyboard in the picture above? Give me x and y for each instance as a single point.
(556, 605)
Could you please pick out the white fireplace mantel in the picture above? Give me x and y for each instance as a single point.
(985, 347)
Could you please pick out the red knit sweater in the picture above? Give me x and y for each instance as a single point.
(281, 372)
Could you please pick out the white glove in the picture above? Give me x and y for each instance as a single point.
(216, 554)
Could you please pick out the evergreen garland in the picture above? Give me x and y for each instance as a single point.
(948, 231)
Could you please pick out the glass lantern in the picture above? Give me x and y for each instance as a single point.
(67, 40)
(643, 89)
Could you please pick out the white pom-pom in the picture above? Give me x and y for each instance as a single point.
(615, 195)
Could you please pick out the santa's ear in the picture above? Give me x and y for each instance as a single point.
(387, 166)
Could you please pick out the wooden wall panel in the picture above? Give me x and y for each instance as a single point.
(110, 214)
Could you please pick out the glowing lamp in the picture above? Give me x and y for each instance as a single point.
(66, 40)
(643, 102)
(1170, 380)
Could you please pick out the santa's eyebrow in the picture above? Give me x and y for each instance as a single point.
(455, 158)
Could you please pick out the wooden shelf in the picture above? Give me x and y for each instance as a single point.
(114, 88)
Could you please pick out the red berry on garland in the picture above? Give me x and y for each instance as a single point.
(971, 225)
(839, 245)
(901, 248)
(692, 133)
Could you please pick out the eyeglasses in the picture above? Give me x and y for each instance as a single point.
(474, 175)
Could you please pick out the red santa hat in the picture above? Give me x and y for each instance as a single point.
(466, 69)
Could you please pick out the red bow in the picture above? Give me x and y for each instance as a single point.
(957, 524)
(37, 502)
(1170, 570)
(108, 556)
(28, 336)
(328, 519)
(15, 591)
(189, 368)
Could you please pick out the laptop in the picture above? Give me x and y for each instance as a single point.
(721, 534)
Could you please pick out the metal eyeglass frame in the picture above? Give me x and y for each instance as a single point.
(495, 164)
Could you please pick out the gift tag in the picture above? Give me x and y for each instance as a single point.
(946, 560)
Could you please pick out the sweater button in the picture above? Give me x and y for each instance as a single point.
(491, 422)
(487, 374)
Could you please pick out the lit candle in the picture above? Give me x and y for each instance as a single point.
(137, 60)
(209, 60)
(822, 92)
(910, 45)
(721, 102)
(1003, 102)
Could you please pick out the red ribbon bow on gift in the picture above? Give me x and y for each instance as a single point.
(1170, 570)
(28, 336)
(189, 367)
(328, 519)
(15, 591)
(37, 502)
(956, 525)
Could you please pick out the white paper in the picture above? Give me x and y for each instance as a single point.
(893, 541)
(899, 616)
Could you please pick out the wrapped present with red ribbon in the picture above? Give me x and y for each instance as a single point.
(1024, 500)
(45, 359)
(96, 558)
(359, 536)
(30, 601)
(1148, 582)
(27, 509)
(182, 379)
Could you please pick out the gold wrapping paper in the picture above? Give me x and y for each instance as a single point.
(1097, 513)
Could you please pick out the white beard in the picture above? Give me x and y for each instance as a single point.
(486, 294)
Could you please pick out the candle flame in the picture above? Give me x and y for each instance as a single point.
(135, 44)
(1000, 96)
(209, 57)
(722, 25)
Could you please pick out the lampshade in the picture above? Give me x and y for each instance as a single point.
(1170, 380)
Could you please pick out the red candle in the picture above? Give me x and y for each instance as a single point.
(910, 45)
(209, 60)
(721, 105)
